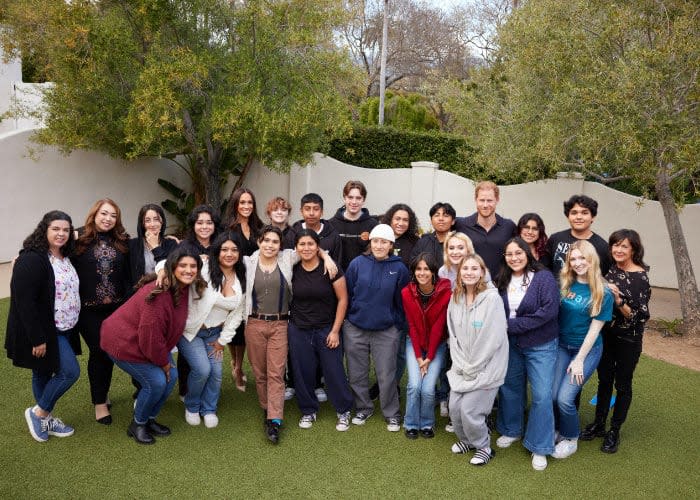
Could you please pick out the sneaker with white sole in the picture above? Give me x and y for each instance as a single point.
(307, 421)
(192, 418)
(565, 448)
(393, 424)
(321, 395)
(539, 462)
(482, 456)
(461, 447)
(343, 422)
(449, 427)
(38, 427)
(506, 441)
(289, 393)
(210, 420)
(444, 409)
(57, 428)
(361, 417)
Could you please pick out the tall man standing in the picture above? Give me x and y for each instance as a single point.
(488, 231)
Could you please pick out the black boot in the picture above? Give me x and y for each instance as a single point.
(272, 431)
(157, 429)
(611, 441)
(592, 431)
(140, 433)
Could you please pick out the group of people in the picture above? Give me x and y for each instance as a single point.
(473, 311)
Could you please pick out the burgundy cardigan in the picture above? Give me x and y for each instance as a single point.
(427, 327)
(145, 332)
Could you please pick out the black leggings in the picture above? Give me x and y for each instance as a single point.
(99, 363)
(620, 357)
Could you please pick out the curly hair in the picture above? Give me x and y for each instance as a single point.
(117, 234)
(216, 274)
(170, 283)
(192, 219)
(232, 220)
(37, 239)
(412, 232)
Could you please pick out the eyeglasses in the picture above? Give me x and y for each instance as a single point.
(517, 253)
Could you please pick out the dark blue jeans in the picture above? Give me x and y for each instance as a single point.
(48, 388)
(154, 387)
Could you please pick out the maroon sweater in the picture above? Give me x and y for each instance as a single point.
(426, 327)
(145, 332)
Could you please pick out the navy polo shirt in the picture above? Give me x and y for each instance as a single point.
(489, 245)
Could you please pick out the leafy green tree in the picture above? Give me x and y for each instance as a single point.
(405, 111)
(606, 88)
(224, 83)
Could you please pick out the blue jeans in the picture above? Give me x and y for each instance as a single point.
(565, 392)
(204, 380)
(48, 388)
(420, 391)
(537, 365)
(154, 387)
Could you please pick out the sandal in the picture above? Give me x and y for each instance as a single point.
(482, 456)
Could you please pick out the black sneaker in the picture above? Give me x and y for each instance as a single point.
(272, 431)
(411, 433)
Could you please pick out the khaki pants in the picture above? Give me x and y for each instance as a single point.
(266, 342)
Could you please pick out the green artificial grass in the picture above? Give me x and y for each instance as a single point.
(658, 456)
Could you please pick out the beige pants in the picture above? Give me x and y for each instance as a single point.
(266, 342)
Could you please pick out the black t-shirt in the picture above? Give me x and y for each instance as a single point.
(558, 246)
(313, 301)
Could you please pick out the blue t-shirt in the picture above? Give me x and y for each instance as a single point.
(574, 314)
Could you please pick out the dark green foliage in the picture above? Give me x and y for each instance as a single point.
(402, 111)
(387, 147)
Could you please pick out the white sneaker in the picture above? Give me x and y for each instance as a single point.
(192, 418)
(444, 409)
(449, 427)
(539, 462)
(321, 395)
(343, 423)
(393, 424)
(289, 393)
(210, 420)
(307, 421)
(506, 441)
(565, 448)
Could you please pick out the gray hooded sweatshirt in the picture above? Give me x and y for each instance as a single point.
(478, 342)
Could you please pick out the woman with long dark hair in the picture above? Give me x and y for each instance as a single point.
(101, 260)
(242, 218)
(425, 301)
(531, 230)
(404, 223)
(150, 244)
(140, 335)
(44, 309)
(622, 337)
(531, 299)
(212, 321)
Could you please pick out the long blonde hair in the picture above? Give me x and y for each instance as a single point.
(460, 236)
(460, 289)
(594, 277)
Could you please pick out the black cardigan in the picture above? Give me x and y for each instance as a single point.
(137, 264)
(31, 319)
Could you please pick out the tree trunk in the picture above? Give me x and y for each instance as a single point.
(687, 286)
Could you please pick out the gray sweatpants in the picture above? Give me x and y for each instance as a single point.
(468, 411)
(383, 346)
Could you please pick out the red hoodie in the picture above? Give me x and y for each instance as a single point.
(426, 327)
